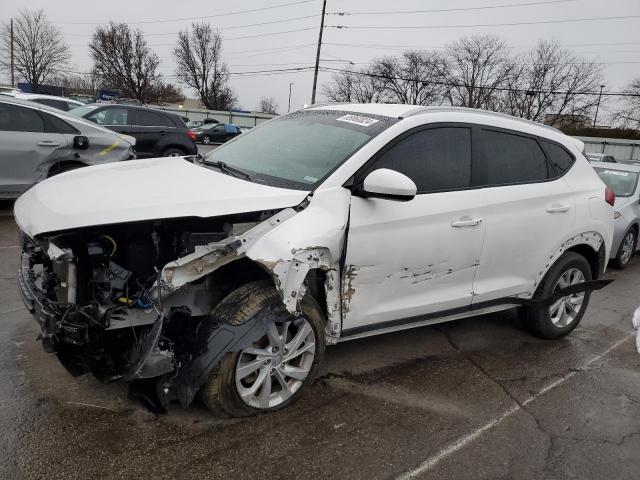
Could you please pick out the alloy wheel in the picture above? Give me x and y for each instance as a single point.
(274, 368)
(627, 248)
(565, 310)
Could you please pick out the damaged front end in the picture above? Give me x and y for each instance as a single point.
(132, 301)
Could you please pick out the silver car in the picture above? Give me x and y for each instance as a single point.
(623, 179)
(37, 142)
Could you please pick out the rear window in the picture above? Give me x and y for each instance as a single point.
(622, 183)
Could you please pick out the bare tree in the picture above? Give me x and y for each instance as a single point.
(88, 84)
(39, 48)
(165, 93)
(549, 80)
(360, 86)
(478, 67)
(124, 60)
(416, 77)
(198, 55)
(628, 116)
(268, 105)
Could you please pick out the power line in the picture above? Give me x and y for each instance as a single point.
(195, 18)
(503, 89)
(460, 9)
(270, 71)
(220, 28)
(436, 47)
(509, 24)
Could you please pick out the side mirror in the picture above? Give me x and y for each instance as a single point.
(80, 142)
(389, 184)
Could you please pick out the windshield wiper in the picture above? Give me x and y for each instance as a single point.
(227, 169)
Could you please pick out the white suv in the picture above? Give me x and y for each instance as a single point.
(228, 274)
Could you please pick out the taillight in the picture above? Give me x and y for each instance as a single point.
(609, 196)
(192, 135)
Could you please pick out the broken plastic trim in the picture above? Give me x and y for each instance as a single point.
(527, 302)
(213, 256)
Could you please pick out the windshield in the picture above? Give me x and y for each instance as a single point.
(301, 149)
(623, 183)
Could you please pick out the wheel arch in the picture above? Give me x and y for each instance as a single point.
(56, 167)
(590, 244)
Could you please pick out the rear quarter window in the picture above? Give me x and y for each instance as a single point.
(559, 158)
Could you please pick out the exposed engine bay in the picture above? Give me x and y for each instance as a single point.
(105, 306)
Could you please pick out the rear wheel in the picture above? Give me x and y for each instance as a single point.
(626, 250)
(273, 371)
(64, 168)
(173, 152)
(206, 139)
(563, 315)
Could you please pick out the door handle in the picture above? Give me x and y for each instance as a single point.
(558, 208)
(48, 143)
(466, 222)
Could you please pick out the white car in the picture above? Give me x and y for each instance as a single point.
(228, 274)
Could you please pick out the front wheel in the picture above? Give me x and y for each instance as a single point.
(563, 315)
(626, 250)
(273, 371)
(206, 139)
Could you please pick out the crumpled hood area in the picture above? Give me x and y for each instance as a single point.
(142, 190)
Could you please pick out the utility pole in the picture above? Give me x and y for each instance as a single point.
(13, 84)
(315, 73)
(289, 108)
(598, 106)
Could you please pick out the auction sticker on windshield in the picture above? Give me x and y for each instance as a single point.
(358, 120)
(615, 172)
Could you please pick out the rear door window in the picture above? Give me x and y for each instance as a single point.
(15, 118)
(152, 119)
(508, 159)
(436, 159)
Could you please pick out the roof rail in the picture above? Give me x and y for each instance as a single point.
(420, 110)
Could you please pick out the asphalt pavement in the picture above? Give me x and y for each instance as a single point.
(478, 398)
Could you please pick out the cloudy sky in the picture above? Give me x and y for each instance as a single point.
(283, 34)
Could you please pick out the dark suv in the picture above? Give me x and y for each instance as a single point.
(157, 133)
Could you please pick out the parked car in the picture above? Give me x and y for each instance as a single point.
(226, 275)
(216, 133)
(38, 142)
(600, 157)
(194, 124)
(623, 179)
(157, 133)
(61, 103)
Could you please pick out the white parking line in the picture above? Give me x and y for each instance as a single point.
(10, 246)
(459, 444)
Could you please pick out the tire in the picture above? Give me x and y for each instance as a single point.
(626, 250)
(222, 391)
(206, 139)
(548, 323)
(173, 152)
(64, 168)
